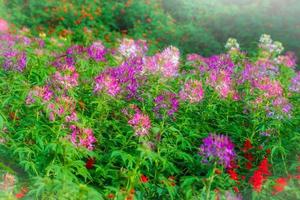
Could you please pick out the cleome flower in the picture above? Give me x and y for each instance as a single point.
(218, 148)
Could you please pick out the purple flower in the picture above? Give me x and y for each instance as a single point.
(295, 83)
(218, 148)
(166, 102)
(97, 51)
(122, 79)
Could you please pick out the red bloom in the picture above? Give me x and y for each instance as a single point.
(257, 180)
(297, 177)
(111, 196)
(264, 167)
(233, 175)
(249, 156)
(90, 163)
(247, 145)
(248, 165)
(236, 189)
(268, 151)
(144, 179)
(20, 195)
(280, 185)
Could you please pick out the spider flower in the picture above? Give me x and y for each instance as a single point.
(295, 84)
(192, 91)
(83, 137)
(97, 51)
(218, 148)
(140, 123)
(166, 102)
(131, 48)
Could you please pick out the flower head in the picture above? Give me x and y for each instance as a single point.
(279, 186)
(140, 123)
(82, 137)
(192, 91)
(166, 102)
(218, 148)
(97, 51)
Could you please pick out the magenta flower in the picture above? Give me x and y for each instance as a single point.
(289, 59)
(65, 81)
(271, 88)
(165, 63)
(140, 123)
(295, 83)
(83, 137)
(107, 83)
(218, 148)
(166, 102)
(3, 26)
(97, 51)
(192, 91)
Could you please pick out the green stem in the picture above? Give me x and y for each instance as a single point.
(210, 181)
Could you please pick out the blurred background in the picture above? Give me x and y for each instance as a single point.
(198, 26)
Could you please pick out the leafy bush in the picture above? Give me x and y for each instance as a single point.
(117, 122)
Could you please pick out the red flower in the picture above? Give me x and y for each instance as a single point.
(90, 163)
(236, 189)
(233, 175)
(20, 195)
(247, 145)
(264, 167)
(248, 165)
(280, 185)
(144, 179)
(268, 151)
(249, 156)
(297, 177)
(257, 180)
(111, 196)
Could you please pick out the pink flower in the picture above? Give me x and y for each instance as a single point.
(140, 123)
(165, 63)
(192, 91)
(82, 137)
(130, 48)
(3, 26)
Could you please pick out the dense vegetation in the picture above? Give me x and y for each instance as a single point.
(192, 25)
(90, 110)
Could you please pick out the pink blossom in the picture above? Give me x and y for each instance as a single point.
(140, 123)
(192, 91)
(3, 26)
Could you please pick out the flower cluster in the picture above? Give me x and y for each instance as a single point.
(192, 91)
(97, 51)
(122, 79)
(266, 43)
(131, 48)
(166, 102)
(83, 137)
(165, 63)
(260, 175)
(219, 148)
(232, 44)
(295, 83)
(3, 26)
(288, 60)
(140, 122)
